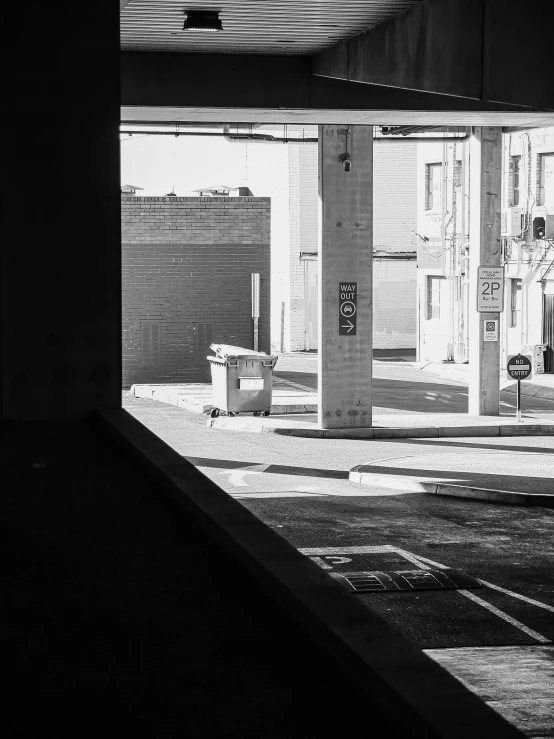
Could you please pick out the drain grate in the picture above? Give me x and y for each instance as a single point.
(407, 580)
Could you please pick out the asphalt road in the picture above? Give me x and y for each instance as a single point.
(400, 388)
(299, 488)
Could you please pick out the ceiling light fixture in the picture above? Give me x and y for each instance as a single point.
(202, 20)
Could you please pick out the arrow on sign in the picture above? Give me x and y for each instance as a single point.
(348, 326)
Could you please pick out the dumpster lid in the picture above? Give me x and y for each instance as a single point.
(226, 351)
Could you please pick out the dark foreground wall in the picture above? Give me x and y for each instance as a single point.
(60, 257)
(187, 266)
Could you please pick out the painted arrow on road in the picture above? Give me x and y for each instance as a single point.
(236, 477)
(348, 326)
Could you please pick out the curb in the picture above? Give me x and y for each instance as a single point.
(421, 694)
(506, 497)
(202, 403)
(259, 427)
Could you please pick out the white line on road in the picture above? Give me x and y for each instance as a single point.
(517, 595)
(338, 551)
(505, 617)
(424, 562)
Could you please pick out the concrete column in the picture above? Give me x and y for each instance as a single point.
(485, 176)
(346, 255)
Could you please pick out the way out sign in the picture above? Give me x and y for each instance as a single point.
(490, 290)
(348, 306)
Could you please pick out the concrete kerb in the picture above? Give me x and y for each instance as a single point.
(421, 694)
(361, 474)
(260, 425)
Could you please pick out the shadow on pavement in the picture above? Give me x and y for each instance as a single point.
(445, 445)
(513, 483)
(275, 469)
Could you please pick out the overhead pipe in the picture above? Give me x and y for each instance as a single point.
(280, 140)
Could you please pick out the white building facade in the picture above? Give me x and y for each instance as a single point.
(443, 216)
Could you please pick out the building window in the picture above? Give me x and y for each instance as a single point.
(516, 302)
(513, 181)
(545, 179)
(434, 296)
(433, 178)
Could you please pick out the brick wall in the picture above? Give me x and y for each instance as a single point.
(187, 266)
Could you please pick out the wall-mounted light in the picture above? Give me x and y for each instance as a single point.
(202, 20)
(346, 160)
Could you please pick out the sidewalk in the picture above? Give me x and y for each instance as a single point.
(197, 397)
(409, 402)
(390, 426)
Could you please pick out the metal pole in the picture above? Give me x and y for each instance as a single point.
(282, 341)
(519, 401)
(256, 306)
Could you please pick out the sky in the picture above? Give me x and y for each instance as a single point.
(187, 163)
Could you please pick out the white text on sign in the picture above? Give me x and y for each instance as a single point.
(490, 289)
(348, 305)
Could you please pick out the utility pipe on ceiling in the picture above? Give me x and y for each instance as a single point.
(279, 140)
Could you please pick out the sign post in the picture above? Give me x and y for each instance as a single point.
(519, 368)
(490, 290)
(348, 305)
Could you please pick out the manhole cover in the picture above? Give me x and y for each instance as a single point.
(376, 581)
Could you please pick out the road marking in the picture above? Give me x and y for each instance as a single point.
(424, 562)
(339, 560)
(505, 617)
(236, 476)
(339, 551)
(518, 596)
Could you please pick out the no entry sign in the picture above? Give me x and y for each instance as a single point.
(348, 305)
(519, 366)
(490, 290)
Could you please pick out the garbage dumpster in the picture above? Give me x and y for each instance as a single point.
(242, 380)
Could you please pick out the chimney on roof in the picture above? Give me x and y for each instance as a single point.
(245, 192)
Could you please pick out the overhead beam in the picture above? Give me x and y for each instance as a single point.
(470, 48)
(247, 85)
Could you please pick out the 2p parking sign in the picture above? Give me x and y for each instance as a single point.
(490, 290)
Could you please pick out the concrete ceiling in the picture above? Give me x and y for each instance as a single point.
(252, 26)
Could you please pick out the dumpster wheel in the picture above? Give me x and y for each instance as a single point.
(266, 413)
(214, 412)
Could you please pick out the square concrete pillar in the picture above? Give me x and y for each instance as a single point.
(485, 177)
(345, 276)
